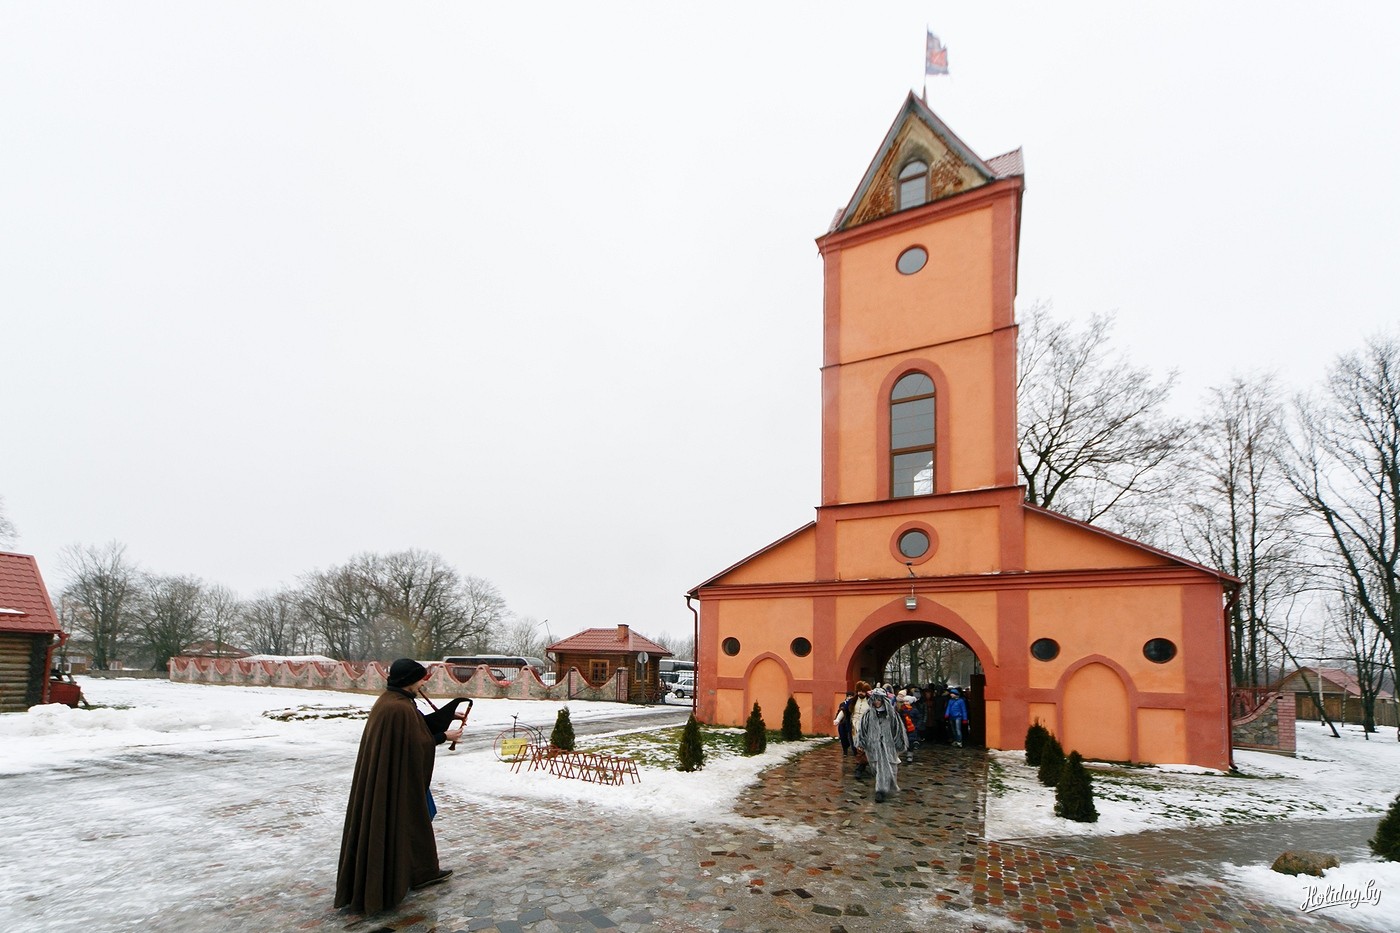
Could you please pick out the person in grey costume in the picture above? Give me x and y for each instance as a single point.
(881, 734)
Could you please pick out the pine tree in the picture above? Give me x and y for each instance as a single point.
(755, 733)
(1052, 760)
(692, 751)
(1074, 794)
(1035, 743)
(792, 721)
(1386, 842)
(563, 734)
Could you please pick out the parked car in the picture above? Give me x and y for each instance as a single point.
(684, 685)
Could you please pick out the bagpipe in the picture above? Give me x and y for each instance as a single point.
(441, 718)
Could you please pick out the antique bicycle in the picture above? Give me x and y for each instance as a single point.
(515, 743)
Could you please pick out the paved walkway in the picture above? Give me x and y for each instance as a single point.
(1203, 849)
(810, 851)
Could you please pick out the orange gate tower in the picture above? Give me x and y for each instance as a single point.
(923, 529)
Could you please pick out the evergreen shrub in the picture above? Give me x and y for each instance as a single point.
(563, 734)
(692, 752)
(755, 733)
(1386, 842)
(1074, 794)
(1035, 743)
(1052, 760)
(792, 721)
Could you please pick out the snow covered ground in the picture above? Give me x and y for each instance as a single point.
(80, 784)
(1330, 778)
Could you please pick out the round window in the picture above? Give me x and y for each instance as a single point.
(801, 647)
(911, 260)
(913, 543)
(1045, 649)
(730, 646)
(1159, 650)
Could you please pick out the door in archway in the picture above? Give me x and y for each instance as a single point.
(1095, 718)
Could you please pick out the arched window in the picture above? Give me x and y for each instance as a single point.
(911, 436)
(913, 184)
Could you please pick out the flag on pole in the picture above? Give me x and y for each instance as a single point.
(936, 61)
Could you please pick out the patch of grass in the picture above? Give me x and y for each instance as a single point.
(660, 748)
(996, 779)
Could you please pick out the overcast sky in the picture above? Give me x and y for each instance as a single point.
(534, 285)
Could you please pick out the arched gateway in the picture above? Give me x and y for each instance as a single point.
(923, 529)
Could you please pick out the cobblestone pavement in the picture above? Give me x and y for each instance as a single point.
(1201, 849)
(812, 851)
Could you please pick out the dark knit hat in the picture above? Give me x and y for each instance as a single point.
(405, 672)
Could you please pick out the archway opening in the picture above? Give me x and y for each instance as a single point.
(924, 654)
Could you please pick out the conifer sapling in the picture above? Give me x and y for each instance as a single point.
(563, 735)
(1052, 760)
(755, 733)
(692, 752)
(792, 721)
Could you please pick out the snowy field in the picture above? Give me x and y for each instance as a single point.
(1330, 778)
(85, 780)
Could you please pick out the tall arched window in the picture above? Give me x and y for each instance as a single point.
(911, 436)
(913, 185)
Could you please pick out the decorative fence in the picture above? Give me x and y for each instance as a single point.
(372, 677)
(1271, 727)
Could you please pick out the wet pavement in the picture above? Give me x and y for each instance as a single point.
(809, 849)
(1202, 849)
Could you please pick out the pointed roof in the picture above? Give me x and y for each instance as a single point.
(24, 601)
(618, 640)
(917, 132)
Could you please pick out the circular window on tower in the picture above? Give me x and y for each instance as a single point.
(911, 260)
(730, 646)
(1159, 650)
(1045, 649)
(913, 543)
(801, 647)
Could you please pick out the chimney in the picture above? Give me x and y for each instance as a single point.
(623, 634)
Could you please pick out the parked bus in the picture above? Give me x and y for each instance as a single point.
(503, 666)
(670, 669)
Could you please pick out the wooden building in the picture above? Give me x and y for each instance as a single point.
(600, 653)
(29, 632)
(1341, 696)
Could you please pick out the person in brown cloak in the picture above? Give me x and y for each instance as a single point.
(388, 846)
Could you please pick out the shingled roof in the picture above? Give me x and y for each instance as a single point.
(619, 640)
(24, 601)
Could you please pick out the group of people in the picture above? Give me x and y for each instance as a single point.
(882, 727)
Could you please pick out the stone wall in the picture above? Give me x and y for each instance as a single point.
(371, 677)
(1269, 728)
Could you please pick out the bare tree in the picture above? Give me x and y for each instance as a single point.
(272, 623)
(1238, 515)
(435, 609)
(407, 603)
(8, 534)
(1346, 466)
(485, 612)
(172, 614)
(1094, 442)
(102, 592)
(1369, 655)
(522, 635)
(345, 610)
(221, 612)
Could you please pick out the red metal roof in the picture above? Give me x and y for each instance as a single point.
(24, 601)
(619, 639)
(1007, 164)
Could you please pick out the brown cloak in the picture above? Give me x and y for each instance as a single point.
(388, 843)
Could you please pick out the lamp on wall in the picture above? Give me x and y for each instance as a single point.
(911, 601)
